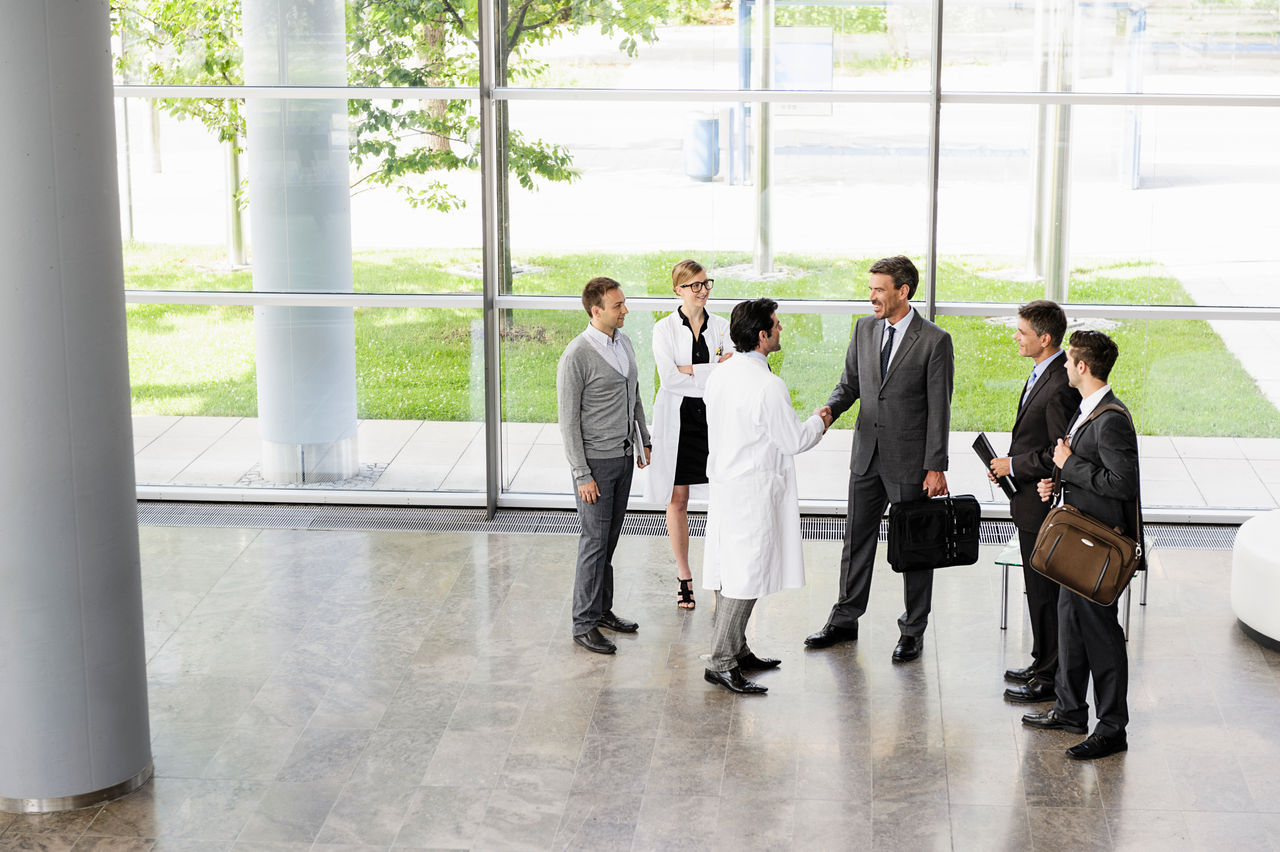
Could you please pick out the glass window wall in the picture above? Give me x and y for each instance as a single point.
(1104, 155)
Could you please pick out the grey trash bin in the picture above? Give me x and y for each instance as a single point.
(702, 148)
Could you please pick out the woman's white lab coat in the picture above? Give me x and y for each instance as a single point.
(753, 543)
(673, 347)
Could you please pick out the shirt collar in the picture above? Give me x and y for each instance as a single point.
(1040, 369)
(600, 336)
(757, 355)
(901, 325)
(1090, 402)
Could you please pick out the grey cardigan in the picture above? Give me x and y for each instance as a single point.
(597, 405)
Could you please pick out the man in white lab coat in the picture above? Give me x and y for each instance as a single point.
(753, 545)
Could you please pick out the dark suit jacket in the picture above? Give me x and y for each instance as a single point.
(1041, 421)
(907, 418)
(1101, 477)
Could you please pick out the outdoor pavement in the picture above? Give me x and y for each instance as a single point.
(1182, 475)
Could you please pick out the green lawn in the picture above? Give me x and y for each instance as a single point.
(419, 363)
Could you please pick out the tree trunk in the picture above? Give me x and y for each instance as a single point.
(433, 46)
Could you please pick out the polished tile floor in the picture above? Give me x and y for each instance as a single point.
(349, 691)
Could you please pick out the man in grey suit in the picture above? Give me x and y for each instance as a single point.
(602, 426)
(900, 365)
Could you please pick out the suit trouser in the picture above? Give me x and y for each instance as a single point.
(1091, 642)
(601, 525)
(729, 633)
(1042, 606)
(867, 501)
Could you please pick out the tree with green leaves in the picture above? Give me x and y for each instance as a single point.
(391, 43)
(190, 43)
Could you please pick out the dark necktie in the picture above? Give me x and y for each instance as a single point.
(1071, 424)
(886, 352)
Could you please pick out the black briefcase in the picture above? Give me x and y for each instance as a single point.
(934, 533)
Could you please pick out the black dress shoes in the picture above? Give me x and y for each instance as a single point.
(1030, 693)
(1051, 721)
(752, 663)
(1098, 745)
(609, 621)
(593, 641)
(733, 681)
(831, 635)
(1020, 675)
(908, 649)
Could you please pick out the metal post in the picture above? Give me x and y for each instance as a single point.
(762, 39)
(935, 107)
(738, 117)
(1039, 144)
(491, 178)
(1004, 597)
(1057, 261)
(127, 165)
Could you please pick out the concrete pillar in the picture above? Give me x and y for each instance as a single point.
(300, 226)
(73, 689)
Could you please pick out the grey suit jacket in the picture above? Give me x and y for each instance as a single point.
(907, 418)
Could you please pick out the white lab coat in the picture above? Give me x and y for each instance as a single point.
(753, 544)
(673, 347)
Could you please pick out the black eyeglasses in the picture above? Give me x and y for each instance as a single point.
(699, 285)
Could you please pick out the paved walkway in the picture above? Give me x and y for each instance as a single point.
(1181, 476)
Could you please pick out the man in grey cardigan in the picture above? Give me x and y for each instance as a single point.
(601, 422)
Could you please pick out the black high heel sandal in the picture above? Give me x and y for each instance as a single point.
(685, 595)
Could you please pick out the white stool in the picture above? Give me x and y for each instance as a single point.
(1255, 578)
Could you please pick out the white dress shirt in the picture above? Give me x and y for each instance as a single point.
(1087, 405)
(608, 348)
(899, 329)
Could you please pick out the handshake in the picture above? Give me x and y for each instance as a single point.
(827, 417)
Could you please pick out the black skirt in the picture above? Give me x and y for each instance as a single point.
(691, 455)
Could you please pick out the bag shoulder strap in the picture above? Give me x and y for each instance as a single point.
(1057, 483)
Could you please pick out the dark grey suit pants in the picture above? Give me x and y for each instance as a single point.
(867, 501)
(1091, 643)
(1042, 606)
(601, 525)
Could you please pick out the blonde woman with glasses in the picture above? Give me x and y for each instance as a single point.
(687, 346)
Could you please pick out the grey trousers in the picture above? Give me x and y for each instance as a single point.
(1091, 644)
(601, 525)
(729, 633)
(867, 501)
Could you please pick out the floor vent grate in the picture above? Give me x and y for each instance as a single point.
(535, 522)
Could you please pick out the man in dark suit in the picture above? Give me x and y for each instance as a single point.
(900, 365)
(1045, 408)
(1099, 472)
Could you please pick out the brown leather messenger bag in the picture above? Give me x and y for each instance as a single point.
(1080, 552)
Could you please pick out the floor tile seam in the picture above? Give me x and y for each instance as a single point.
(421, 425)
(137, 450)
(458, 459)
(218, 437)
(524, 708)
(256, 534)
